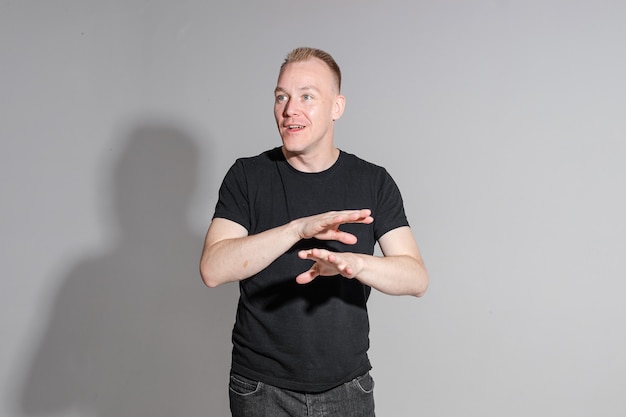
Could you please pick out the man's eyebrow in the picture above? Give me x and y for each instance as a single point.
(303, 88)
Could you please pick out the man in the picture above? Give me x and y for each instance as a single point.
(296, 226)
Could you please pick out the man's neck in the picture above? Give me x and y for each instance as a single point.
(317, 162)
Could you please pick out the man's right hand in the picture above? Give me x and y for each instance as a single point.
(325, 226)
(230, 254)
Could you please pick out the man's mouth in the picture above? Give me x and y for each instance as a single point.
(295, 127)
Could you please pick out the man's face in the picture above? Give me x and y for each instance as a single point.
(306, 104)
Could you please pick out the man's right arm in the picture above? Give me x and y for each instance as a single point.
(230, 254)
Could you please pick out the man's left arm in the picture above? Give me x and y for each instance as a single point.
(400, 271)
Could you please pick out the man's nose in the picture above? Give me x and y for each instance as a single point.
(291, 108)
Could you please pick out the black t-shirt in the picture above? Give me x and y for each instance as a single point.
(309, 337)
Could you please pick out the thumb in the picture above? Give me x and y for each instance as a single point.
(308, 276)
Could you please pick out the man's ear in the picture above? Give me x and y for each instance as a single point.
(338, 108)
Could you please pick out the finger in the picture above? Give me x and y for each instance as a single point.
(365, 212)
(344, 268)
(338, 235)
(345, 238)
(314, 254)
(361, 216)
(306, 277)
(350, 216)
(365, 216)
(349, 272)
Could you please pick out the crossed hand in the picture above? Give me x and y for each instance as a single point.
(325, 226)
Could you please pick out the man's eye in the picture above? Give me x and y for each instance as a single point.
(281, 97)
(307, 97)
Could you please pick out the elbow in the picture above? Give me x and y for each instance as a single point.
(209, 281)
(420, 292)
(208, 278)
(422, 285)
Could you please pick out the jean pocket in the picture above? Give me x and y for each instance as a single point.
(365, 383)
(242, 385)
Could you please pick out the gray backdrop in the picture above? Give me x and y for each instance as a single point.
(503, 122)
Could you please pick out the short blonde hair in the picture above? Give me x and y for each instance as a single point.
(305, 53)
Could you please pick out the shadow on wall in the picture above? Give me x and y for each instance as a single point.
(134, 332)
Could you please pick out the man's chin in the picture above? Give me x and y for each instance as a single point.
(291, 151)
(293, 147)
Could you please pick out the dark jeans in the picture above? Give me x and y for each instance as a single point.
(250, 398)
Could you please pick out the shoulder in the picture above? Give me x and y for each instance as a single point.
(354, 163)
(265, 158)
(258, 164)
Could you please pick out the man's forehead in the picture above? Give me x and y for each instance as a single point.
(310, 74)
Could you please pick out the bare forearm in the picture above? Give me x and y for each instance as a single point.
(394, 275)
(400, 271)
(230, 254)
(235, 259)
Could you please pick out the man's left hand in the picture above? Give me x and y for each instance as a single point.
(329, 263)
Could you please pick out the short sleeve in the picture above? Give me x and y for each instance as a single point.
(389, 212)
(233, 201)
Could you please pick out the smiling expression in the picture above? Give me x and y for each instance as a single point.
(307, 102)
